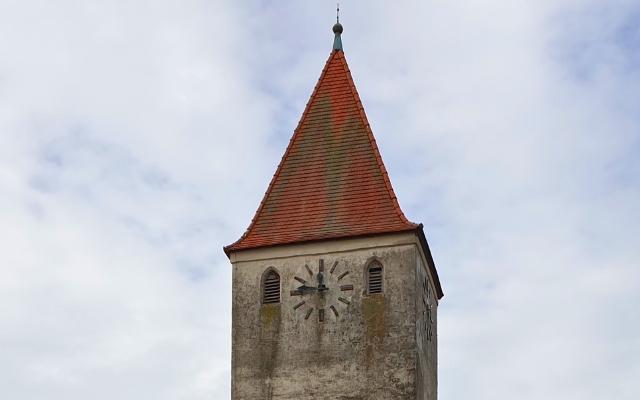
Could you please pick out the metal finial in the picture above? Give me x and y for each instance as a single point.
(337, 29)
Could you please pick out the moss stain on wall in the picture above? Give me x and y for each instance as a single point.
(373, 312)
(270, 318)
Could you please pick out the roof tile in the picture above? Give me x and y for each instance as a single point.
(331, 182)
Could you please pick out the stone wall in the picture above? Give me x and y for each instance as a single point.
(367, 351)
(426, 333)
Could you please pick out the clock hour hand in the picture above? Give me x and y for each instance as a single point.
(305, 289)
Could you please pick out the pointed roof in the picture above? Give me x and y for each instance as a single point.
(331, 182)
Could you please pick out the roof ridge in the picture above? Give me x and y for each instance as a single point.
(372, 140)
(286, 152)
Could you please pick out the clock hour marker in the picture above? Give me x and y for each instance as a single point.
(342, 275)
(345, 301)
(335, 312)
(346, 287)
(299, 305)
(308, 314)
(321, 315)
(333, 267)
(308, 270)
(300, 280)
(321, 265)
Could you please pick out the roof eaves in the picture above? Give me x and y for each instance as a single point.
(319, 239)
(431, 264)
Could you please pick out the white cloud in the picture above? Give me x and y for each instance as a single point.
(138, 139)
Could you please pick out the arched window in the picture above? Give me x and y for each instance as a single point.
(271, 287)
(374, 278)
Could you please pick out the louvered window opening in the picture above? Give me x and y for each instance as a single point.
(375, 279)
(271, 290)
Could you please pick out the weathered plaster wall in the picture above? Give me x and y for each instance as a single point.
(367, 352)
(426, 333)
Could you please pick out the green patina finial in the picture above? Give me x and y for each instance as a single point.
(337, 29)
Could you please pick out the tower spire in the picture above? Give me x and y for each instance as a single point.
(337, 30)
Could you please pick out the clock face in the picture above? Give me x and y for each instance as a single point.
(321, 291)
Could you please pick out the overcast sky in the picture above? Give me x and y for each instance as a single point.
(137, 138)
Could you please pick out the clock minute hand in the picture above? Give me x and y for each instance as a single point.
(321, 286)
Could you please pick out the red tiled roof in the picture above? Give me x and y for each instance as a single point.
(331, 182)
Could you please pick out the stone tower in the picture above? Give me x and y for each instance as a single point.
(335, 292)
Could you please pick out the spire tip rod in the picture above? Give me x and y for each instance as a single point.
(337, 29)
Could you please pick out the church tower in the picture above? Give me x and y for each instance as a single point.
(335, 293)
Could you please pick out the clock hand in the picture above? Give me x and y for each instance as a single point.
(305, 288)
(321, 286)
